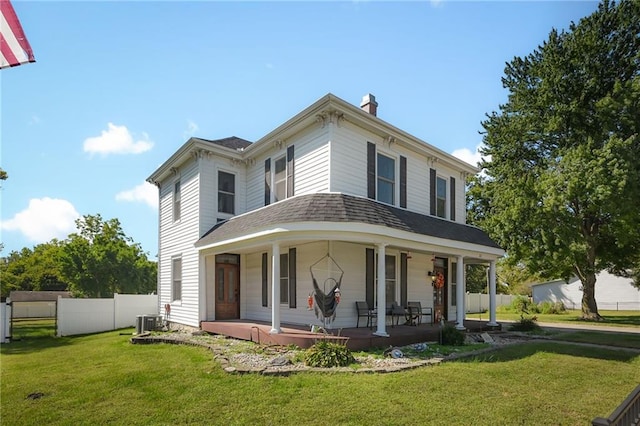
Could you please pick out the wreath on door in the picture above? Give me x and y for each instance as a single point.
(439, 282)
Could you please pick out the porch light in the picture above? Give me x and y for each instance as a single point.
(433, 276)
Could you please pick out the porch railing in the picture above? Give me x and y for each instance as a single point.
(627, 413)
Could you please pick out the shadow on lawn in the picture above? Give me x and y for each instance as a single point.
(31, 336)
(623, 319)
(33, 344)
(520, 351)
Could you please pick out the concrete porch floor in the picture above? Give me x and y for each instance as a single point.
(355, 338)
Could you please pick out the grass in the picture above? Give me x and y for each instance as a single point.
(611, 318)
(622, 340)
(103, 379)
(36, 327)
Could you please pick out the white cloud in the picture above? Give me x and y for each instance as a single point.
(471, 157)
(44, 219)
(116, 140)
(192, 128)
(145, 193)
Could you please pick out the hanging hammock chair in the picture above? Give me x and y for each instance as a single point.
(326, 302)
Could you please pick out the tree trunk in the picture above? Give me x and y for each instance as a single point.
(589, 305)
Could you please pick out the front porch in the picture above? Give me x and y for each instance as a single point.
(355, 338)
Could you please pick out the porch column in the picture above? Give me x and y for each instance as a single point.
(275, 289)
(492, 294)
(381, 293)
(461, 289)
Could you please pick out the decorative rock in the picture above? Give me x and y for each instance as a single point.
(280, 361)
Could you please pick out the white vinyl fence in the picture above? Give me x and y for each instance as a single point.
(479, 302)
(38, 309)
(83, 316)
(5, 322)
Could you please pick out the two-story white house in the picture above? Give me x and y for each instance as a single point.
(333, 199)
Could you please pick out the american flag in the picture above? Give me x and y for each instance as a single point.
(14, 46)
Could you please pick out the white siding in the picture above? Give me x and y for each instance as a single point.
(349, 159)
(311, 165)
(351, 258)
(349, 170)
(209, 168)
(177, 239)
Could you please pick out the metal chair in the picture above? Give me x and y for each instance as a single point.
(416, 309)
(364, 311)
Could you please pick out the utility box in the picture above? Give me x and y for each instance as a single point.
(149, 322)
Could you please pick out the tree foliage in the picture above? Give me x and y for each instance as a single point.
(100, 260)
(561, 188)
(33, 270)
(97, 261)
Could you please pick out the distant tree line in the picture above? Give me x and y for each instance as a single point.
(96, 261)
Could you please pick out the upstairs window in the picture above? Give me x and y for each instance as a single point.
(386, 179)
(176, 201)
(280, 179)
(226, 193)
(441, 197)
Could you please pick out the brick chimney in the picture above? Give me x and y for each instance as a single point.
(369, 104)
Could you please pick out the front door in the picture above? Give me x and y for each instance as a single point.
(227, 292)
(440, 291)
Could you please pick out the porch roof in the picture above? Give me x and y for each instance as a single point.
(342, 208)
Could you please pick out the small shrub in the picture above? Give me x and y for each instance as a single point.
(452, 336)
(520, 304)
(525, 324)
(551, 308)
(327, 354)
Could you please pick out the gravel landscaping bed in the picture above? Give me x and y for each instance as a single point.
(239, 356)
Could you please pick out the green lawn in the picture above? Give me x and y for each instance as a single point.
(103, 379)
(611, 318)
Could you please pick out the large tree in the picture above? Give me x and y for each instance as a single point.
(561, 183)
(100, 260)
(32, 270)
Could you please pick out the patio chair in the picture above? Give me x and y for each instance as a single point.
(395, 311)
(364, 311)
(417, 310)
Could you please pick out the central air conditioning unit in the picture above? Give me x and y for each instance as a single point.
(148, 322)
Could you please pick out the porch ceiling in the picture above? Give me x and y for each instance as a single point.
(331, 215)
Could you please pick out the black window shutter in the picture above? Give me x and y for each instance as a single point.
(292, 278)
(371, 170)
(452, 207)
(370, 277)
(403, 182)
(290, 171)
(265, 280)
(403, 279)
(432, 191)
(267, 181)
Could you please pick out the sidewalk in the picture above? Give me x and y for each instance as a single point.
(558, 326)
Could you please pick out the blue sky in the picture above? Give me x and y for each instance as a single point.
(119, 86)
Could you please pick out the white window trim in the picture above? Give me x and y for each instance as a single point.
(275, 159)
(396, 176)
(235, 198)
(174, 201)
(447, 213)
(173, 299)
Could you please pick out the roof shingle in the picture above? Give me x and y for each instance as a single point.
(331, 207)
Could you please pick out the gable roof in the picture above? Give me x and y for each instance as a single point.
(232, 142)
(327, 108)
(341, 208)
